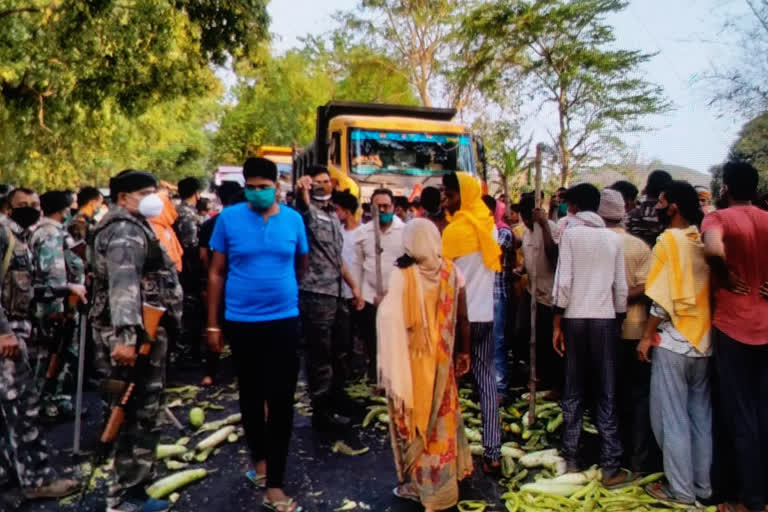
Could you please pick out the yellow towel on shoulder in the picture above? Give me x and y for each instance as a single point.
(679, 283)
(471, 228)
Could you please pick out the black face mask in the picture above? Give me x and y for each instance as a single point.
(25, 216)
(663, 215)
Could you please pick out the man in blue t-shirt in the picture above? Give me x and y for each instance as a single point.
(261, 248)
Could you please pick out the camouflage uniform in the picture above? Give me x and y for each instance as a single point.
(55, 266)
(23, 450)
(130, 269)
(321, 304)
(187, 228)
(643, 222)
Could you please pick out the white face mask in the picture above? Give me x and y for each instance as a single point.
(151, 206)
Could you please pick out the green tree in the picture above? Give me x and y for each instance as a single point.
(72, 72)
(567, 52)
(277, 103)
(419, 40)
(752, 147)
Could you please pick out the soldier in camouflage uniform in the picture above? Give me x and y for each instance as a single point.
(130, 268)
(23, 451)
(57, 270)
(187, 228)
(321, 303)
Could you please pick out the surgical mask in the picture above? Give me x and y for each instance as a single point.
(562, 209)
(25, 216)
(151, 206)
(386, 218)
(66, 218)
(260, 199)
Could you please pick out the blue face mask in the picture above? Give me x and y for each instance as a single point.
(260, 199)
(386, 218)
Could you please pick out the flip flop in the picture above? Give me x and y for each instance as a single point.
(260, 481)
(660, 492)
(273, 506)
(403, 496)
(629, 478)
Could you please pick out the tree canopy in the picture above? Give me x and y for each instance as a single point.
(276, 103)
(567, 52)
(81, 80)
(752, 147)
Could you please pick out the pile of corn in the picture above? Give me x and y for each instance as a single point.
(533, 472)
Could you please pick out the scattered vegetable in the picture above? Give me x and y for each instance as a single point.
(343, 448)
(175, 481)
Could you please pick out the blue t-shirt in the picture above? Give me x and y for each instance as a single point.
(261, 256)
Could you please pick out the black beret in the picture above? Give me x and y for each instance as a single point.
(55, 201)
(130, 180)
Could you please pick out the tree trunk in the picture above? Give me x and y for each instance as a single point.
(562, 142)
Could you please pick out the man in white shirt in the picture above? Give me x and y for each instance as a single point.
(469, 240)
(590, 292)
(365, 265)
(346, 210)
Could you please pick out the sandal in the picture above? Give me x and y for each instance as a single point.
(660, 492)
(623, 478)
(274, 506)
(260, 481)
(398, 492)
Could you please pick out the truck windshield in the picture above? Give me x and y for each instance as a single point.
(411, 154)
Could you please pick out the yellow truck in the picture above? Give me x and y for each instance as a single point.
(366, 146)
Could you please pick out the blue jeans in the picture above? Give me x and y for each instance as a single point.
(681, 417)
(499, 343)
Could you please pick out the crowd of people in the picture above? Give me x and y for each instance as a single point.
(651, 311)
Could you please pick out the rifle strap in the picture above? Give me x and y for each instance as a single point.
(8, 252)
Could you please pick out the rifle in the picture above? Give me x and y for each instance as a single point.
(151, 316)
(65, 331)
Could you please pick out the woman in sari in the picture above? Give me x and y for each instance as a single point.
(417, 329)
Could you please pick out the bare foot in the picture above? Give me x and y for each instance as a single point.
(260, 467)
(207, 381)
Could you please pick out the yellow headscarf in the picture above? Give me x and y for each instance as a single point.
(471, 228)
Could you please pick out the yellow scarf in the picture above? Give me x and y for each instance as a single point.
(679, 283)
(471, 228)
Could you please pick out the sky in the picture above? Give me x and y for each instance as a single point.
(686, 34)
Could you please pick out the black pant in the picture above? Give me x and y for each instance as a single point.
(267, 364)
(591, 354)
(743, 377)
(550, 368)
(367, 322)
(634, 390)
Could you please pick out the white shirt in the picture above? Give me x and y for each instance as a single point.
(348, 255)
(365, 256)
(590, 281)
(479, 286)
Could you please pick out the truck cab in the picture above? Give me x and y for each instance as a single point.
(368, 146)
